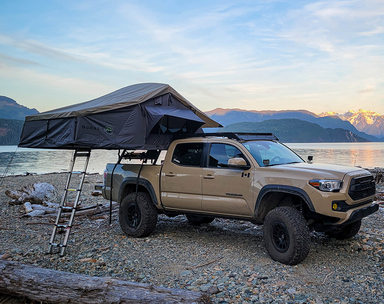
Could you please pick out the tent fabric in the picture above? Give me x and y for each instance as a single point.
(127, 96)
(143, 116)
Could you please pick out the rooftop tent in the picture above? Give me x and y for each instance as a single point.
(142, 116)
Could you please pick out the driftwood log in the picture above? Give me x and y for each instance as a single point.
(52, 286)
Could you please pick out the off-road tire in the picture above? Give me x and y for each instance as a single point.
(346, 232)
(286, 235)
(197, 219)
(137, 219)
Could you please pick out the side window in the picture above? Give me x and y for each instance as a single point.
(219, 155)
(188, 154)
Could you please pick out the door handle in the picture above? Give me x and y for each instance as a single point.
(170, 174)
(209, 176)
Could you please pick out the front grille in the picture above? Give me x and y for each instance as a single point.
(362, 187)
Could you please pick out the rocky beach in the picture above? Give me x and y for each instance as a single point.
(225, 259)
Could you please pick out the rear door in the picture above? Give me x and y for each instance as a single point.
(226, 190)
(181, 178)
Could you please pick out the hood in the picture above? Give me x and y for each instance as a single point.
(323, 171)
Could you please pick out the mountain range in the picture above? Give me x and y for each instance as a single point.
(295, 130)
(10, 109)
(289, 125)
(365, 121)
(326, 120)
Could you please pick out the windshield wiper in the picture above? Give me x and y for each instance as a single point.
(271, 165)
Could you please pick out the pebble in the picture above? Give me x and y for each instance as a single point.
(176, 254)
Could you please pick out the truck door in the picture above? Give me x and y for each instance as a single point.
(181, 178)
(226, 190)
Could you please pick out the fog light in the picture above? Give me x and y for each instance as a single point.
(334, 206)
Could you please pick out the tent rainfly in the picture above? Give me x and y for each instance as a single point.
(138, 117)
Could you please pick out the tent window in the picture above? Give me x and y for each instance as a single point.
(170, 125)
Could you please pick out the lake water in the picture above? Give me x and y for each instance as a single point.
(14, 161)
(366, 155)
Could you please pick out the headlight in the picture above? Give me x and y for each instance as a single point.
(326, 185)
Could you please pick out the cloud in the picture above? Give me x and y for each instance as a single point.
(36, 47)
(331, 26)
(376, 31)
(10, 60)
(367, 90)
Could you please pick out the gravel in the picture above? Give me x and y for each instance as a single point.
(225, 259)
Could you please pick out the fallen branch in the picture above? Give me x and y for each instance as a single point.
(46, 285)
(5, 256)
(33, 193)
(98, 210)
(201, 265)
(87, 211)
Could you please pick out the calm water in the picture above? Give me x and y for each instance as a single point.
(15, 160)
(366, 155)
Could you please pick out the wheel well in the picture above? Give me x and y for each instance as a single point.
(272, 200)
(131, 188)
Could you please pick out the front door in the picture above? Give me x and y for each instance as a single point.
(226, 190)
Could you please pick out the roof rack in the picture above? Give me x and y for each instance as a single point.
(237, 135)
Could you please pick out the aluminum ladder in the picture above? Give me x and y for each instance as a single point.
(62, 227)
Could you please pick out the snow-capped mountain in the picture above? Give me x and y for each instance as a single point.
(365, 121)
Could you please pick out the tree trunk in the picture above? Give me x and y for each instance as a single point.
(54, 286)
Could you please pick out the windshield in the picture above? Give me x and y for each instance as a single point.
(270, 153)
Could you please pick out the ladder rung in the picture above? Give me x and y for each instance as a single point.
(63, 226)
(57, 245)
(73, 190)
(66, 208)
(78, 172)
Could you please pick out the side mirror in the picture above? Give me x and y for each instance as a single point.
(238, 162)
(310, 159)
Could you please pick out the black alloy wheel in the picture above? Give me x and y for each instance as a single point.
(280, 237)
(133, 215)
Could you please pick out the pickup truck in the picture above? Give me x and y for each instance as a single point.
(242, 176)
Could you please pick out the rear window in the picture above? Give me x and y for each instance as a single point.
(188, 154)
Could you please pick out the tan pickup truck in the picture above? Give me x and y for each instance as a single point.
(250, 177)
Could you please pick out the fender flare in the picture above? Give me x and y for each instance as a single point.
(142, 182)
(283, 189)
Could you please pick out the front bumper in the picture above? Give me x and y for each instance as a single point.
(358, 214)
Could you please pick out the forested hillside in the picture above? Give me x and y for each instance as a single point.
(295, 130)
(10, 109)
(10, 130)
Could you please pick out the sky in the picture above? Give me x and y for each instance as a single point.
(253, 55)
